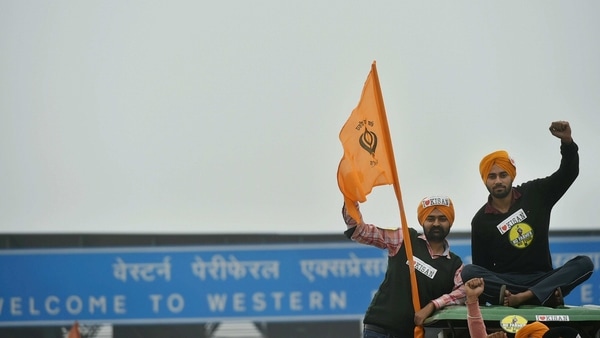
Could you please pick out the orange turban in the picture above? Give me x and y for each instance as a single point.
(428, 204)
(532, 330)
(499, 158)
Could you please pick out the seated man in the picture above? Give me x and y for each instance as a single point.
(510, 246)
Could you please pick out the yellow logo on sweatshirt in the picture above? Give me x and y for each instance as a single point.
(520, 235)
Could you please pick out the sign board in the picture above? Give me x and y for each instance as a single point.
(192, 284)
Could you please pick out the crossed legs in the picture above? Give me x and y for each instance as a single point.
(541, 288)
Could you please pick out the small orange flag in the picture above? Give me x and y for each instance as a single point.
(74, 332)
(366, 162)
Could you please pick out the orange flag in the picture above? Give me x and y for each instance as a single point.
(364, 136)
(368, 162)
(74, 332)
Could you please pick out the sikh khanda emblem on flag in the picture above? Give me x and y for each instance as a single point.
(364, 136)
(368, 140)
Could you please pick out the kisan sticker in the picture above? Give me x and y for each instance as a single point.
(424, 268)
(435, 200)
(513, 323)
(518, 217)
(520, 235)
(552, 318)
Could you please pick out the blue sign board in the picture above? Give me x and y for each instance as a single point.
(291, 282)
(188, 284)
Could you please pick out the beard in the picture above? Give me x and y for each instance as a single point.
(436, 234)
(499, 193)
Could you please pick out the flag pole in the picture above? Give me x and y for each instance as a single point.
(406, 234)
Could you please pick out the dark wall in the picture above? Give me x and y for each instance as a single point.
(32, 241)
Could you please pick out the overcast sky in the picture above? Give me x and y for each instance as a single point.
(223, 116)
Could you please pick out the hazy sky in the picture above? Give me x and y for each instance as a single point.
(223, 116)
